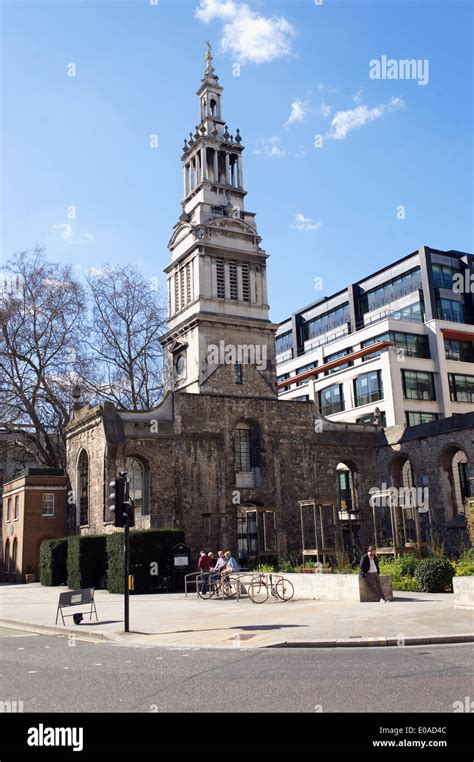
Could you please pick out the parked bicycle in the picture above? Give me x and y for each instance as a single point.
(217, 586)
(263, 584)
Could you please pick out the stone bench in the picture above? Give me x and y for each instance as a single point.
(336, 587)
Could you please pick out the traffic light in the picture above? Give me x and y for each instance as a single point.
(119, 497)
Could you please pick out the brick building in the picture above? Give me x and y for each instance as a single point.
(33, 510)
(223, 457)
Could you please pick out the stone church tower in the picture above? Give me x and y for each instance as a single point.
(220, 339)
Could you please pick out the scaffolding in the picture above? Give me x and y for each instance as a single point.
(325, 529)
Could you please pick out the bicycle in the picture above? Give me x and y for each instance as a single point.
(217, 586)
(259, 588)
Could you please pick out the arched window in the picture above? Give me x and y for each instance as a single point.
(346, 494)
(213, 105)
(136, 474)
(460, 479)
(83, 487)
(7, 555)
(406, 474)
(14, 555)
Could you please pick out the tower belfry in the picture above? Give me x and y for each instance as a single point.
(220, 338)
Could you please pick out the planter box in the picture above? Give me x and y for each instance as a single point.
(336, 587)
(463, 589)
(29, 578)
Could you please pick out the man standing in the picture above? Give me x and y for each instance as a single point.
(369, 568)
(204, 566)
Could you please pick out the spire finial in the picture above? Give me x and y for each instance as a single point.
(209, 70)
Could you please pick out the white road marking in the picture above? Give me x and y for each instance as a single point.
(32, 671)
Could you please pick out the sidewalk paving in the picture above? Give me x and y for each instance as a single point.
(173, 620)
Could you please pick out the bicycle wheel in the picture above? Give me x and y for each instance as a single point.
(206, 591)
(230, 587)
(258, 591)
(284, 589)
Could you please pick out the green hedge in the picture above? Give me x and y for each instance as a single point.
(53, 562)
(147, 547)
(86, 561)
(434, 575)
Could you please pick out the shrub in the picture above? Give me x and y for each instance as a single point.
(265, 568)
(464, 571)
(407, 565)
(86, 561)
(467, 558)
(287, 567)
(405, 583)
(147, 547)
(434, 575)
(53, 562)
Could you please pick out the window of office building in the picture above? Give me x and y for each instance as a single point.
(368, 388)
(462, 351)
(337, 356)
(326, 322)
(391, 290)
(443, 276)
(304, 369)
(418, 385)
(331, 399)
(414, 417)
(413, 311)
(449, 309)
(411, 344)
(283, 377)
(461, 387)
(284, 342)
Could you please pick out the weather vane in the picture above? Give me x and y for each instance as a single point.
(209, 52)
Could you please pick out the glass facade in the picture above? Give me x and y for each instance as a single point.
(284, 342)
(368, 388)
(443, 276)
(449, 309)
(418, 385)
(391, 290)
(462, 351)
(318, 325)
(461, 387)
(303, 370)
(331, 399)
(336, 356)
(413, 418)
(411, 344)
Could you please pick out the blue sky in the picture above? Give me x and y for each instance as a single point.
(329, 212)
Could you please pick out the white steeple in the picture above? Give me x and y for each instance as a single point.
(217, 292)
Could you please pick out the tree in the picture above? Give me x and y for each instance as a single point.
(123, 339)
(42, 311)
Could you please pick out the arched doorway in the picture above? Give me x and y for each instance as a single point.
(348, 506)
(454, 468)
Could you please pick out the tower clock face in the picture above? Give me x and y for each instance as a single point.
(180, 365)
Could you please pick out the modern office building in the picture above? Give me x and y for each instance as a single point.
(400, 340)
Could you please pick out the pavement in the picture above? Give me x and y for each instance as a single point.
(174, 620)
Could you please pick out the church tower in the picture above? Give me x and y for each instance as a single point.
(219, 338)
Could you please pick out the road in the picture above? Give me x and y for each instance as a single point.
(54, 674)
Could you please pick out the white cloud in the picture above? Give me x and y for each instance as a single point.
(270, 148)
(298, 113)
(357, 97)
(68, 234)
(305, 223)
(326, 110)
(345, 121)
(249, 35)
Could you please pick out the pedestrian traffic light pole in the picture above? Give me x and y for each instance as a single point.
(124, 508)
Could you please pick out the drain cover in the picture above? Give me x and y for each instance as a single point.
(244, 636)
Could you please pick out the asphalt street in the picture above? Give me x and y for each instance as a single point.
(55, 674)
